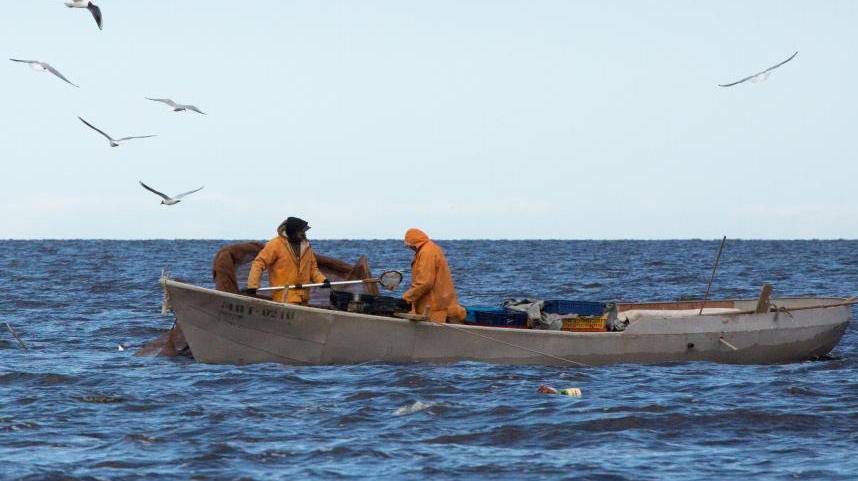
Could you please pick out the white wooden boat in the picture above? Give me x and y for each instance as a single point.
(226, 328)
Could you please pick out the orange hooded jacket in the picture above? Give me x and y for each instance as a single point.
(431, 282)
(285, 268)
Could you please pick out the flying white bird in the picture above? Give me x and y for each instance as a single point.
(174, 107)
(114, 142)
(167, 199)
(761, 76)
(93, 9)
(43, 67)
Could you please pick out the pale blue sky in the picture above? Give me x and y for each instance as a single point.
(469, 119)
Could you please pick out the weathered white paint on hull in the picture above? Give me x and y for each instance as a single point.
(227, 328)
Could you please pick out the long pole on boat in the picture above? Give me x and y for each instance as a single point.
(302, 286)
(389, 280)
(712, 276)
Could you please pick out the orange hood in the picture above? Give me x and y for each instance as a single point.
(415, 237)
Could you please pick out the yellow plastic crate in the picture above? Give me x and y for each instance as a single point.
(585, 324)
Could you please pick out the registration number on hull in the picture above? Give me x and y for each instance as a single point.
(245, 310)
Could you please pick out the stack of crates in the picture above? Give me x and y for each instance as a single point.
(584, 316)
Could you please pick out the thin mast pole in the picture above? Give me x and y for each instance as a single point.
(705, 296)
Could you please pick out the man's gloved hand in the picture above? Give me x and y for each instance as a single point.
(250, 291)
(298, 286)
(326, 284)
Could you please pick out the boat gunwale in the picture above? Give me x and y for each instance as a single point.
(843, 301)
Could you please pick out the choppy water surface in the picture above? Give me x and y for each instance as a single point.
(75, 407)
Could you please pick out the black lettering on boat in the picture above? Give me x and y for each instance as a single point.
(276, 314)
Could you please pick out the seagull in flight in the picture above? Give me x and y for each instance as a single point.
(93, 9)
(114, 142)
(43, 67)
(167, 199)
(761, 76)
(174, 107)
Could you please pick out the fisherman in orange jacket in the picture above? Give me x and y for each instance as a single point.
(431, 282)
(289, 260)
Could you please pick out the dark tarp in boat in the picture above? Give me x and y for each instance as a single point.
(232, 263)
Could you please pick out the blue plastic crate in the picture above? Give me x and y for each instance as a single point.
(497, 317)
(582, 308)
(470, 312)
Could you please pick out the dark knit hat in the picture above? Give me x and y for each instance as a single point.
(294, 225)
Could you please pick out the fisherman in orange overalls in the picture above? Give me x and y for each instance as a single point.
(431, 281)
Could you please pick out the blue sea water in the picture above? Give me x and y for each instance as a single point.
(75, 407)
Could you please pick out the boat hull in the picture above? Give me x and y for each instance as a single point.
(225, 328)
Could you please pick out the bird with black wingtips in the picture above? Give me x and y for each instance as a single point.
(759, 76)
(93, 9)
(167, 199)
(43, 67)
(177, 107)
(114, 142)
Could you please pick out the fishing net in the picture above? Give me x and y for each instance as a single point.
(337, 270)
(390, 280)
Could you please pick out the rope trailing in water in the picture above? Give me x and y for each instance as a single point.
(467, 331)
(9, 328)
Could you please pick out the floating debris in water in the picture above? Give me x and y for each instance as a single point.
(15, 334)
(102, 399)
(121, 347)
(143, 438)
(10, 424)
(572, 391)
(413, 408)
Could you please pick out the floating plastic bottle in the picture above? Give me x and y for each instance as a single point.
(572, 391)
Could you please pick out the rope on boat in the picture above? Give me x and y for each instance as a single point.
(779, 309)
(467, 331)
(166, 302)
(847, 302)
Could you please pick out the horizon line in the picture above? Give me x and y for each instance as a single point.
(521, 239)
